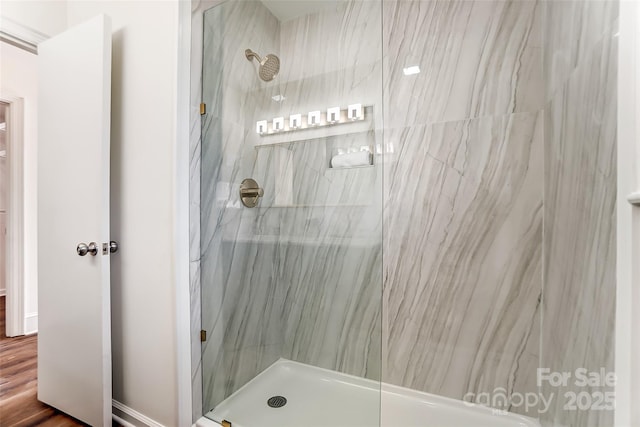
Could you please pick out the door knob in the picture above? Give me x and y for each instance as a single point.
(113, 246)
(84, 249)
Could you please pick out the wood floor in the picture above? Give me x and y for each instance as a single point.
(19, 405)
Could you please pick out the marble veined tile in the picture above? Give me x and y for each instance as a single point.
(300, 275)
(333, 305)
(579, 299)
(244, 313)
(229, 30)
(333, 40)
(198, 8)
(230, 80)
(476, 58)
(462, 255)
(194, 189)
(240, 300)
(357, 84)
(196, 350)
(571, 29)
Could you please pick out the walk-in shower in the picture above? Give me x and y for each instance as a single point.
(431, 212)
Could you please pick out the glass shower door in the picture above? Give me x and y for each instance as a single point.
(291, 267)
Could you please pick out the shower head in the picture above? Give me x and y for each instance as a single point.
(269, 65)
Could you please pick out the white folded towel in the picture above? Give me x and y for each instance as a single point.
(361, 158)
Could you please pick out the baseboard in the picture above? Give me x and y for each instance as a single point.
(120, 421)
(31, 323)
(126, 415)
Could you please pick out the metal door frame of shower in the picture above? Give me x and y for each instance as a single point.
(627, 331)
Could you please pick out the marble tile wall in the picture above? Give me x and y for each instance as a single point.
(330, 236)
(463, 282)
(240, 310)
(300, 275)
(478, 58)
(463, 196)
(469, 147)
(578, 309)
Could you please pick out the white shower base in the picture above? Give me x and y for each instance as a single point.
(318, 397)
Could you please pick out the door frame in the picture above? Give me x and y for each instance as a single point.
(15, 313)
(25, 38)
(627, 337)
(20, 35)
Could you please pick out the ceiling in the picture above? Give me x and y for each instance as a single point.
(286, 10)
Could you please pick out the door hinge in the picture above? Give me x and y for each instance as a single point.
(203, 108)
(203, 335)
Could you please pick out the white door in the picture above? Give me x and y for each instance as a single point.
(74, 312)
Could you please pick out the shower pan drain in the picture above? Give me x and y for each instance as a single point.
(277, 401)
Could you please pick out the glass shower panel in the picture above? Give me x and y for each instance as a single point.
(292, 288)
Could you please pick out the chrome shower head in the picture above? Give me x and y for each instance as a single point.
(269, 65)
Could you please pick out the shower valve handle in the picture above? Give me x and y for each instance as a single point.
(250, 191)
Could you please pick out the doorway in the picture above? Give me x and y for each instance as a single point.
(4, 114)
(11, 213)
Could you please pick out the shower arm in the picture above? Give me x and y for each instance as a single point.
(251, 54)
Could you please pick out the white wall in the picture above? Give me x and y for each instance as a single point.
(143, 129)
(18, 77)
(143, 200)
(46, 16)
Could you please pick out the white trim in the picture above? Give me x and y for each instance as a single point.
(15, 317)
(121, 421)
(627, 338)
(181, 217)
(141, 418)
(19, 35)
(3, 292)
(30, 323)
